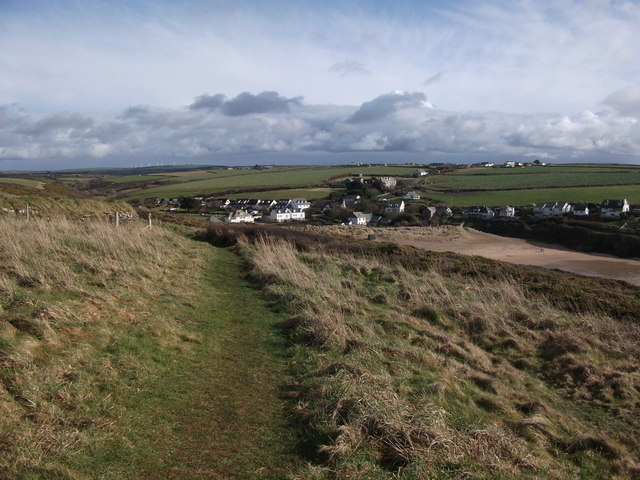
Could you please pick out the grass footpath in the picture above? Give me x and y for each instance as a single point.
(131, 353)
(224, 413)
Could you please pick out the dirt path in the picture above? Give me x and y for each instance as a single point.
(513, 250)
(228, 416)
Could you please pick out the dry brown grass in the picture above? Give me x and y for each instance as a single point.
(43, 207)
(407, 372)
(61, 253)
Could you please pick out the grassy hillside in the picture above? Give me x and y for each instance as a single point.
(43, 207)
(418, 365)
(134, 353)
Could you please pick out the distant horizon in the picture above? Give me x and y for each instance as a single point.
(288, 160)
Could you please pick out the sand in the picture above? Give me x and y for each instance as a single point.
(514, 250)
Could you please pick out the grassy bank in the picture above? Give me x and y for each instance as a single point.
(538, 195)
(416, 365)
(134, 353)
(43, 207)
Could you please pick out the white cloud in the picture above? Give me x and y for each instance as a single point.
(516, 57)
(393, 122)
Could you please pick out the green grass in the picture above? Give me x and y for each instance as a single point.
(308, 193)
(276, 178)
(524, 197)
(138, 178)
(22, 181)
(540, 177)
(212, 410)
(119, 360)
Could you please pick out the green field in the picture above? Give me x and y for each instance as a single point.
(308, 193)
(523, 197)
(137, 178)
(277, 178)
(460, 187)
(22, 181)
(509, 178)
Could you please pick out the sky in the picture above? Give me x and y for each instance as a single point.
(120, 83)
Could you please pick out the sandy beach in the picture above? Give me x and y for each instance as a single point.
(514, 250)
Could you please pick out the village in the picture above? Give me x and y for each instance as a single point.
(381, 201)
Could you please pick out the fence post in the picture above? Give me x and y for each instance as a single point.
(27, 211)
(149, 221)
(117, 219)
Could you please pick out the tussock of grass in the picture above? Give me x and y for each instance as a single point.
(416, 365)
(82, 319)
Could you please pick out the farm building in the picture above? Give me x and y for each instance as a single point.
(411, 196)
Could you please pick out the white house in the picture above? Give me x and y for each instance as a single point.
(239, 216)
(411, 196)
(542, 210)
(299, 204)
(359, 218)
(506, 211)
(395, 207)
(580, 210)
(560, 208)
(283, 215)
(556, 209)
(388, 182)
(420, 173)
(298, 215)
(613, 208)
(484, 213)
(512, 164)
